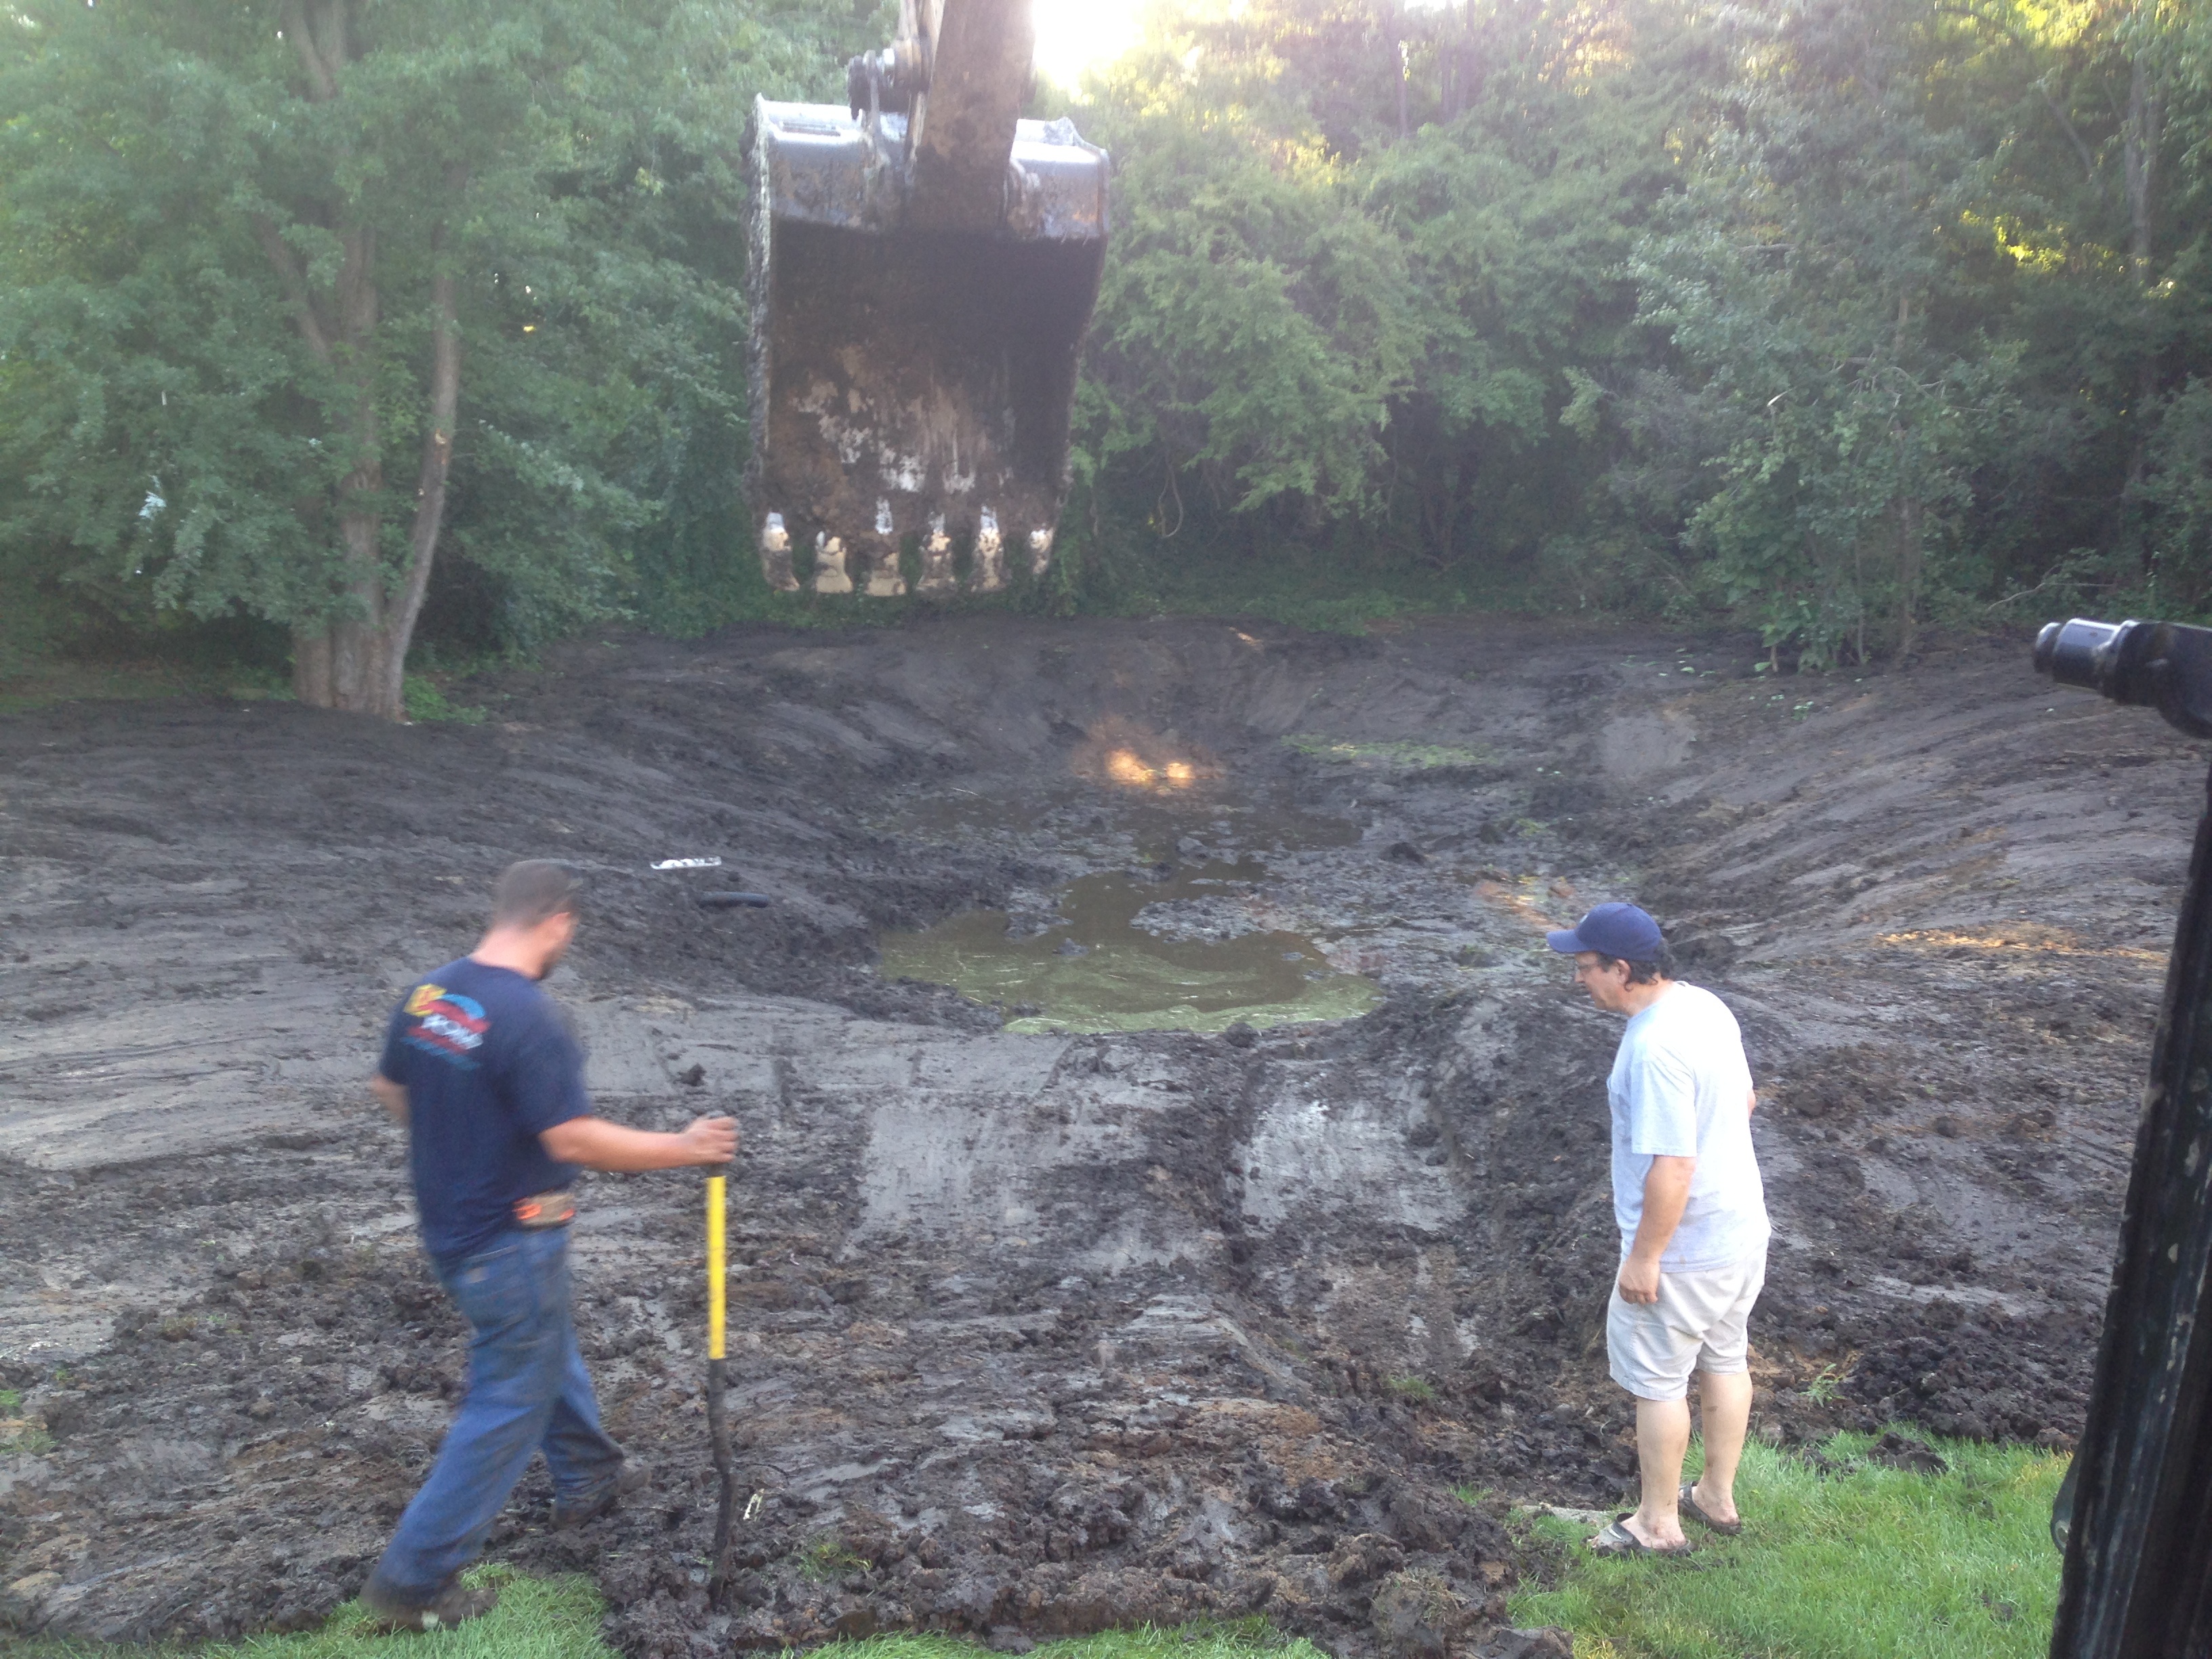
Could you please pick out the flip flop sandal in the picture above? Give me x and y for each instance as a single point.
(1688, 1505)
(1617, 1539)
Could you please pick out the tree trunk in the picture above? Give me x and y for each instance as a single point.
(1397, 41)
(1908, 514)
(2141, 132)
(352, 653)
(437, 455)
(335, 659)
(1908, 575)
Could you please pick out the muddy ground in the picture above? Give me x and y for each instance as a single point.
(1034, 1332)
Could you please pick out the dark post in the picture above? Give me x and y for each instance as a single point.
(2139, 1542)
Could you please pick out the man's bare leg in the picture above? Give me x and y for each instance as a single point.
(1662, 1438)
(1724, 1402)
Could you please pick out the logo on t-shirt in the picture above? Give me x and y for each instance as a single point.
(447, 1023)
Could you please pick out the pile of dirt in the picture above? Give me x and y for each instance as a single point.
(1037, 1331)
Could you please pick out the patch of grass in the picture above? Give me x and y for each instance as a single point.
(1873, 1561)
(535, 1618)
(43, 685)
(1393, 756)
(20, 1436)
(826, 1558)
(559, 1619)
(1240, 1638)
(1417, 1388)
(1870, 1561)
(51, 653)
(426, 701)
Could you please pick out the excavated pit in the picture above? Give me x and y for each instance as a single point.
(1040, 1329)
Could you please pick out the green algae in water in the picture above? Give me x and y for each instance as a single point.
(1128, 979)
(1388, 757)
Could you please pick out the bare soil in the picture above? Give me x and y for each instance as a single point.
(1037, 1333)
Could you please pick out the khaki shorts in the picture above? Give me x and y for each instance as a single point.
(1696, 1324)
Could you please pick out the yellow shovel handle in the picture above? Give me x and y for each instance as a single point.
(717, 1267)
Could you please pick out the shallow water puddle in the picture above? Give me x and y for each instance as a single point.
(1189, 951)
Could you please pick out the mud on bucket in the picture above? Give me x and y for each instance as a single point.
(914, 349)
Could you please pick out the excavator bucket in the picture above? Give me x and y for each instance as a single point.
(925, 264)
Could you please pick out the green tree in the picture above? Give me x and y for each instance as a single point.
(1518, 216)
(1811, 281)
(1331, 311)
(1827, 319)
(2105, 165)
(1251, 329)
(292, 290)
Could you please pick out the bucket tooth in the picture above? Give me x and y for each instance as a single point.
(775, 554)
(885, 580)
(937, 575)
(1040, 550)
(829, 575)
(990, 573)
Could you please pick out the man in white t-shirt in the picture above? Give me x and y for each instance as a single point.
(1693, 1227)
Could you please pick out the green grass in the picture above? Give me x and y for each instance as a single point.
(1393, 757)
(28, 684)
(27, 1440)
(427, 701)
(17, 1433)
(559, 1619)
(1242, 1639)
(1825, 1387)
(826, 1559)
(1869, 1564)
(535, 1618)
(42, 684)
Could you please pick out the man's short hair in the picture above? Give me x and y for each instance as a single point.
(1644, 973)
(534, 890)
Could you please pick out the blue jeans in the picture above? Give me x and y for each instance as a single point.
(528, 1392)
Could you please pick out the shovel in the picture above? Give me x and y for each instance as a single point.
(718, 1423)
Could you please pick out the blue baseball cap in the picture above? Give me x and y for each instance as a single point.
(1613, 930)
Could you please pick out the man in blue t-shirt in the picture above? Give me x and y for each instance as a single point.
(489, 1083)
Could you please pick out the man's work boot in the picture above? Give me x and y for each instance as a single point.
(455, 1604)
(603, 1500)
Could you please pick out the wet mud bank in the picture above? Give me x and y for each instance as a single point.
(1041, 1324)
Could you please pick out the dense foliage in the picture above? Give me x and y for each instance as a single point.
(1835, 318)
(1830, 316)
(297, 294)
